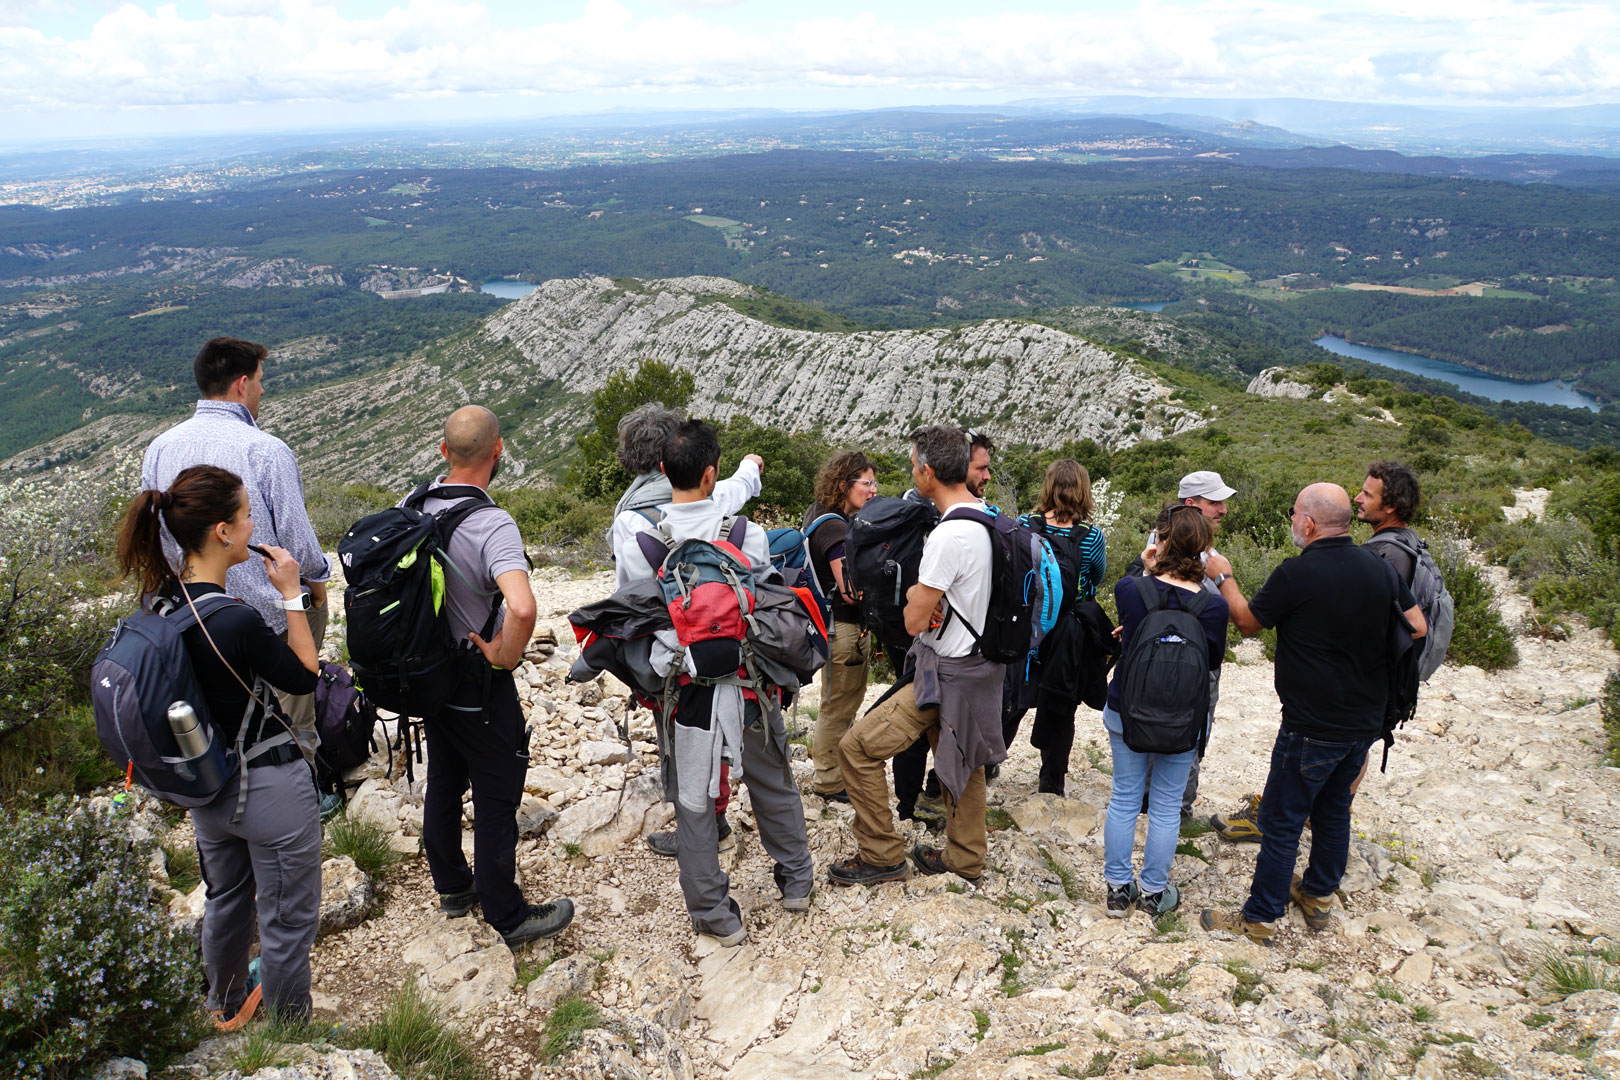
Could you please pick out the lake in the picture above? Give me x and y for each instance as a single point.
(1146, 305)
(508, 288)
(1494, 387)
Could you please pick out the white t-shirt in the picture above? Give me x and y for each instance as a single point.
(956, 558)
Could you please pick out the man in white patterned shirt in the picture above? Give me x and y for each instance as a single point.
(224, 431)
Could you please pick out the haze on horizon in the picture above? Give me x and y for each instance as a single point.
(75, 69)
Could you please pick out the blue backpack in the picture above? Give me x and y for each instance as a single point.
(790, 554)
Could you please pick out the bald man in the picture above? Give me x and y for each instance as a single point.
(1332, 606)
(480, 737)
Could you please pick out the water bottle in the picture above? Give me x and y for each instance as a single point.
(188, 730)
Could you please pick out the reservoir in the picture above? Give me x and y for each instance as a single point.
(1146, 305)
(1493, 387)
(508, 288)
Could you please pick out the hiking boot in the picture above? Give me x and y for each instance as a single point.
(1160, 904)
(663, 843)
(543, 921)
(991, 772)
(1318, 910)
(929, 808)
(457, 904)
(855, 872)
(1122, 898)
(1233, 922)
(731, 940)
(930, 860)
(834, 796)
(330, 804)
(1242, 826)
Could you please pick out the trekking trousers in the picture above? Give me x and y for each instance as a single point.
(843, 686)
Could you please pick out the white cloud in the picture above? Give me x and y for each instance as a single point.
(269, 51)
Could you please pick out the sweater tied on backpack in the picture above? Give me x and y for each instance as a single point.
(698, 751)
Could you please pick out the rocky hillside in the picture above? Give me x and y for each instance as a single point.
(1488, 846)
(537, 360)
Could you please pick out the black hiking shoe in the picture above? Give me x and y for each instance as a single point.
(543, 921)
(663, 843)
(456, 905)
(1160, 904)
(855, 872)
(1121, 899)
(840, 795)
(930, 860)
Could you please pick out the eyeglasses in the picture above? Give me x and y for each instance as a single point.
(1290, 514)
(867, 483)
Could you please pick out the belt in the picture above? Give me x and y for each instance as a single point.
(279, 755)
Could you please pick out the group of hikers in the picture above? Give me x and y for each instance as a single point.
(715, 624)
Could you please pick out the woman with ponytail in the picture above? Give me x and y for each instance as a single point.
(259, 849)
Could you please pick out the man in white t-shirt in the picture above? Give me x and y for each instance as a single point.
(951, 693)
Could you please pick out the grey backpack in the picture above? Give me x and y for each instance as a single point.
(1439, 610)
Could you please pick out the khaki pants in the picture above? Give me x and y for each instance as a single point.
(877, 737)
(843, 687)
(300, 708)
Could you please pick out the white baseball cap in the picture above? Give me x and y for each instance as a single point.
(1205, 485)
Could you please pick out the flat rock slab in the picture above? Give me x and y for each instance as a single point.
(465, 961)
(740, 994)
(1063, 819)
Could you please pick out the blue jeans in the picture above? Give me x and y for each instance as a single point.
(1309, 778)
(1164, 777)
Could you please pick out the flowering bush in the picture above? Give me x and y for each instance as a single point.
(90, 965)
(56, 531)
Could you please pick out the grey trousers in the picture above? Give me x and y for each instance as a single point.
(300, 708)
(268, 863)
(779, 812)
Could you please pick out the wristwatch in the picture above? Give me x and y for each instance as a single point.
(1220, 578)
(301, 602)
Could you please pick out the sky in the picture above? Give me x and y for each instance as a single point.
(73, 68)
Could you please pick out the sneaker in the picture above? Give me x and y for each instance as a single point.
(1242, 826)
(1160, 904)
(330, 805)
(543, 921)
(1233, 922)
(458, 904)
(1122, 898)
(930, 860)
(789, 903)
(991, 772)
(1318, 910)
(929, 808)
(727, 941)
(663, 843)
(834, 796)
(855, 872)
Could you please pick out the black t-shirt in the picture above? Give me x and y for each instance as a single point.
(1332, 606)
(251, 648)
(826, 547)
(1398, 557)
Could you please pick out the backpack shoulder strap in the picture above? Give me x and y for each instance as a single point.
(1152, 599)
(651, 513)
(183, 618)
(732, 528)
(1196, 604)
(820, 521)
(656, 544)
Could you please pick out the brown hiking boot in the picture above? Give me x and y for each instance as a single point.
(1233, 922)
(1242, 826)
(1318, 910)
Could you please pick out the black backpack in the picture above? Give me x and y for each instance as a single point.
(1164, 678)
(400, 646)
(347, 723)
(1025, 590)
(882, 555)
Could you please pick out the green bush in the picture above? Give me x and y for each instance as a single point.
(334, 507)
(90, 964)
(58, 754)
(1480, 637)
(54, 576)
(596, 473)
(362, 841)
(558, 517)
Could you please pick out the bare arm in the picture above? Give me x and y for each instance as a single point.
(506, 649)
(1414, 616)
(922, 601)
(282, 569)
(1236, 603)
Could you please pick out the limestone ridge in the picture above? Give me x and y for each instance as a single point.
(537, 360)
(1021, 380)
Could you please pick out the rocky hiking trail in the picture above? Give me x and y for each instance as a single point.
(1488, 845)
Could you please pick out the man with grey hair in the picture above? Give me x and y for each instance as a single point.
(1333, 606)
(642, 432)
(950, 693)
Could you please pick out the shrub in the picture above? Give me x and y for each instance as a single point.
(1481, 637)
(90, 965)
(556, 517)
(418, 1040)
(596, 473)
(54, 576)
(1610, 710)
(334, 507)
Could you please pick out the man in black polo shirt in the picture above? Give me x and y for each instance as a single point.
(1332, 607)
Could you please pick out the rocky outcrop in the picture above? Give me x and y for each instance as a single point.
(1275, 382)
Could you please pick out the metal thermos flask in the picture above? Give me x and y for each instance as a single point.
(188, 730)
